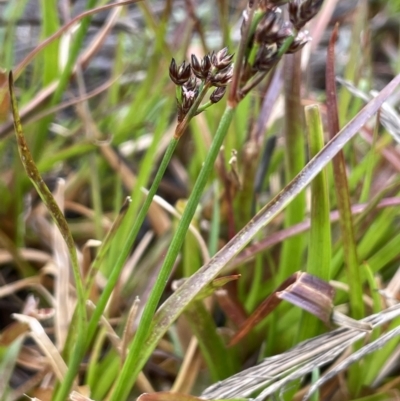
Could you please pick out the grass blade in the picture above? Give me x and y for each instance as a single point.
(175, 305)
(292, 249)
(59, 219)
(319, 250)
(342, 190)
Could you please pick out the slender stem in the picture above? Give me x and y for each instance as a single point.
(292, 249)
(342, 190)
(137, 356)
(319, 251)
(115, 274)
(237, 67)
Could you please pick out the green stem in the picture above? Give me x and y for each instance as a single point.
(115, 274)
(137, 356)
(319, 248)
(319, 253)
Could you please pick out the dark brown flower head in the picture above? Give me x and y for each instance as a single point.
(299, 41)
(179, 75)
(269, 26)
(277, 3)
(191, 84)
(203, 68)
(217, 94)
(285, 31)
(222, 77)
(270, 4)
(266, 57)
(188, 98)
(301, 11)
(221, 59)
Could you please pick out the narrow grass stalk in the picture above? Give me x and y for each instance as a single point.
(253, 297)
(377, 307)
(119, 264)
(315, 376)
(95, 193)
(9, 357)
(136, 360)
(319, 248)
(370, 165)
(342, 190)
(319, 252)
(73, 54)
(59, 219)
(357, 308)
(92, 372)
(50, 53)
(215, 224)
(387, 253)
(356, 53)
(292, 249)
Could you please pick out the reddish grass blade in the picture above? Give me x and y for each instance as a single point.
(301, 289)
(342, 188)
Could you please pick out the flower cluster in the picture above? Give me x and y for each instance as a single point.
(302, 11)
(272, 31)
(214, 70)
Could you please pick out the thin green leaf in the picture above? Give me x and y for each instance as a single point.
(8, 359)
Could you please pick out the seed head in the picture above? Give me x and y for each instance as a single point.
(191, 84)
(285, 31)
(266, 57)
(299, 41)
(223, 77)
(301, 11)
(269, 26)
(278, 3)
(270, 4)
(221, 59)
(179, 75)
(188, 98)
(201, 69)
(217, 94)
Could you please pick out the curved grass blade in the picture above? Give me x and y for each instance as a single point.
(59, 219)
(174, 306)
(342, 189)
